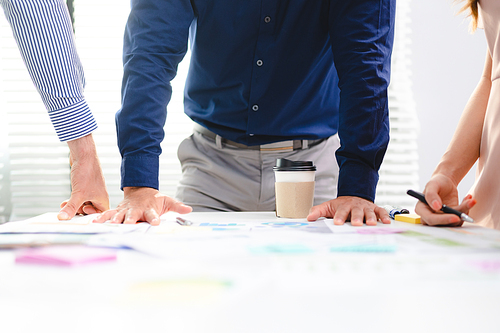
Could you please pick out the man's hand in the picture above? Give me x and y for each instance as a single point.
(442, 190)
(354, 208)
(88, 190)
(142, 204)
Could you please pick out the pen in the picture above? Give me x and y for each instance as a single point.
(182, 221)
(444, 209)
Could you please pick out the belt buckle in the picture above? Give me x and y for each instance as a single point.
(277, 146)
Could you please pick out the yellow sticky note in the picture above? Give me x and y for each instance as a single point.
(410, 218)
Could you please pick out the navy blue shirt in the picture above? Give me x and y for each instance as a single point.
(261, 71)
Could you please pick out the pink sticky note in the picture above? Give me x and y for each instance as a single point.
(65, 255)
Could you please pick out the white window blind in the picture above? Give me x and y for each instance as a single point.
(34, 169)
(399, 172)
(4, 156)
(37, 168)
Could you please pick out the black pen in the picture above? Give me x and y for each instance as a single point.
(182, 221)
(444, 209)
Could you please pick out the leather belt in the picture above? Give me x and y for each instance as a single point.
(288, 145)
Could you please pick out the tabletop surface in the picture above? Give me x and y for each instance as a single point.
(247, 272)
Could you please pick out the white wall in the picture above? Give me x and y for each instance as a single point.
(447, 62)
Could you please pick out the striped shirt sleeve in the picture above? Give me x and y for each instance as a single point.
(44, 34)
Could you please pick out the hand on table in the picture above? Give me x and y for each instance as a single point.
(142, 204)
(88, 189)
(354, 208)
(442, 190)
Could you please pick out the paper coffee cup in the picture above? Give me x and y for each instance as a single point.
(294, 188)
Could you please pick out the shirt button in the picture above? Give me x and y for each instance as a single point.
(255, 107)
(251, 134)
(267, 19)
(260, 62)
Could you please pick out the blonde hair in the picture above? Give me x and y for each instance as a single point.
(471, 8)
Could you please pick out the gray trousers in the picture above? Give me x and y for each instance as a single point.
(219, 177)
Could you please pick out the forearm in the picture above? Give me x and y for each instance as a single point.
(82, 148)
(43, 32)
(464, 148)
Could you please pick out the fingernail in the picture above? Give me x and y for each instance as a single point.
(338, 222)
(371, 222)
(63, 216)
(435, 205)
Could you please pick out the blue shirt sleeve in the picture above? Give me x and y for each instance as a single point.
(362, 34)
(155, 41)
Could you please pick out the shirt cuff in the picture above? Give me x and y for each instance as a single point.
(140, 171)
(357, 180)
(73, 122)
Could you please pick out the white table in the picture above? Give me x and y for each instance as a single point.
(264, 278)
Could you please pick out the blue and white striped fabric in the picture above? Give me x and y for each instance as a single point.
(44, 34)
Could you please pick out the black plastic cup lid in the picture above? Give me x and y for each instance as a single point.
(282, 164)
